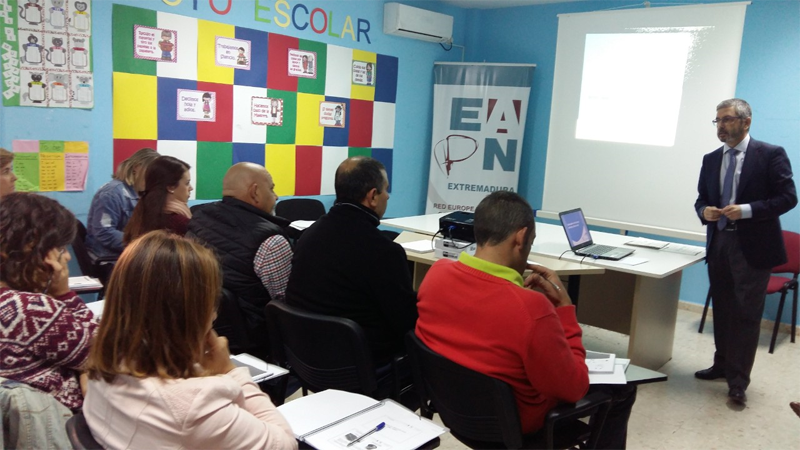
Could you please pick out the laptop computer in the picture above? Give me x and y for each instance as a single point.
(580, 240)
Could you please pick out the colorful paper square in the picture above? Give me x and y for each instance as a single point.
(221, 129)
(280, 161)
(207, 68)
(51, 172)
(213, 161)
(358, 91)
(124, 148)
(244, 130)
(26, 168)
(384, 155)
(331, 158)
(335, 136)
(169, 127)
(278, 64)
(124, 18)
(360, 123)
(284, 134)
(186, 151)
(135, 106)
(337, 75)
(253, 153)
(257, 75)
(386, 79)
(308, 170)
(383, 125)
(185, 66)
(309, 131)
(314, 85)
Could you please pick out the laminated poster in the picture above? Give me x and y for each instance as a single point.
(46, 166)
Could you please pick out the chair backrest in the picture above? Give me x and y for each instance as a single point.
(325, 352)
(300, 209)
(81, 254)
(473, 405)
(231, 324)
(792, 242)
(79, 434)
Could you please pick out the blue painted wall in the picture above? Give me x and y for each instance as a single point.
(769, 71)
(413, 109)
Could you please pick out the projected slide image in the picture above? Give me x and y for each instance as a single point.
(632, 86)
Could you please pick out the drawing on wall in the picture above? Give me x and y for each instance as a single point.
(268, 115)
(155, 44)
(364, 73)
(331, 114)
(46, 166)
(45, 46)
(232, 53)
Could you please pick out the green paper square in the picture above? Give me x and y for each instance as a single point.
(284, 134)
(26, 168)
(213, 161)
(124, 18)
(314, 85)
(51, 146)
(359, 151)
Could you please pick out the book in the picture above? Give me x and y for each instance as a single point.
(260, 370)
(598, 362)
(332, 419)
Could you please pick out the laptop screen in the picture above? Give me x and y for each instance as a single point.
(575, 226)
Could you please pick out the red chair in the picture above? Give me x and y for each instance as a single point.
(778, 284)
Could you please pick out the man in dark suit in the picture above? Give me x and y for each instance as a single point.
(744, 187)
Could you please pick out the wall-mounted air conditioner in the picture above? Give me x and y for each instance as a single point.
(416, 23)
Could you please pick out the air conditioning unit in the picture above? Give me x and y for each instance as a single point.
(415, 23)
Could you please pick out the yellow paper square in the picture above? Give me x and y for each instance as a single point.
(207, 68)
(76, 147)
(309, 131)
(358, 91)
(135, 106)
(280, 161)
(51, 172)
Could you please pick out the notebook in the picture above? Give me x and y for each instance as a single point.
(580, 240)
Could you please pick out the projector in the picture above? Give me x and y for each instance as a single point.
(458, 225)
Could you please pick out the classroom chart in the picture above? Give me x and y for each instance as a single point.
(216, 94)
(45, 166)
(46, 50)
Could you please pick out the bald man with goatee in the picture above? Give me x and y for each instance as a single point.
(250, 241)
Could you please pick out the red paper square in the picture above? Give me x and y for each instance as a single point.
(360, 123)
(221, 129)
(308, 170)
(278, 63)
(124, 148)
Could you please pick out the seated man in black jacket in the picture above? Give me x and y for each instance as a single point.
(343, 266)
(249, 240)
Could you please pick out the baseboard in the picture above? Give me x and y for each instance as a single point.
(765, 323)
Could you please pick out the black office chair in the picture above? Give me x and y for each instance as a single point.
(300, 209)
(327, 352)
(231, 323)
(481, 411)
(79, 434)
(99, 268)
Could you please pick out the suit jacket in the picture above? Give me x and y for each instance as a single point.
(766, 184)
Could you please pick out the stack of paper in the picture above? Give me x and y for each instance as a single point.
(83, 283)
(422, 246)
(598, 362)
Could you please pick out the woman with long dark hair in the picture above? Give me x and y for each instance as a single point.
(160, 377)
(163, 203)
(46, 327)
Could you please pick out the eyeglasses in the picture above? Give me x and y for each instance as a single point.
(724, 120)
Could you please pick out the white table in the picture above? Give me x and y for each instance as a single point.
(640, 301)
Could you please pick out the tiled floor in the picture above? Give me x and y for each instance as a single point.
(686, 413)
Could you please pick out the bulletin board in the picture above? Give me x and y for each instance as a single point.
(213, 95)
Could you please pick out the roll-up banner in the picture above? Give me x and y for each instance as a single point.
(478, 123)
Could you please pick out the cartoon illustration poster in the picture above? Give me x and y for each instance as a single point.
(364, 73)
(45, 47)
(230, 52)
(302, 63)
(155, 44)
(267, 111)
(332, 114)
(197, 106)
(45, 166)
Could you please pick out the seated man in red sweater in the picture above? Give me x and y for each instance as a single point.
(481, 314)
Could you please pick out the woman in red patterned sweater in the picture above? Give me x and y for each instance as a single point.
(45, 328)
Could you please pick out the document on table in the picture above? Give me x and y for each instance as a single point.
(598, 362)
(683, 249)
(301, 224)
(421, 246)
(333, 419)
(647, 243)
(617, 377)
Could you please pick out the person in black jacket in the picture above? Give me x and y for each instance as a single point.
(249, 240)
(744, 187)
(343, 266)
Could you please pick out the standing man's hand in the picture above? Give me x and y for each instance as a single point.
(712, 213)
(732, 212)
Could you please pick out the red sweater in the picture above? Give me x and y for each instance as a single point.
(44, 342)
(496, 327)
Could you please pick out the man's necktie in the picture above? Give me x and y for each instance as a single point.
(727, 187)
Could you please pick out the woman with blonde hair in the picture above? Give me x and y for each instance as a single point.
(7, 177)
(160, 377)
(163, 204)
(113, 204)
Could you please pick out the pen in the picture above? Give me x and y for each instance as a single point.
(378, 428)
